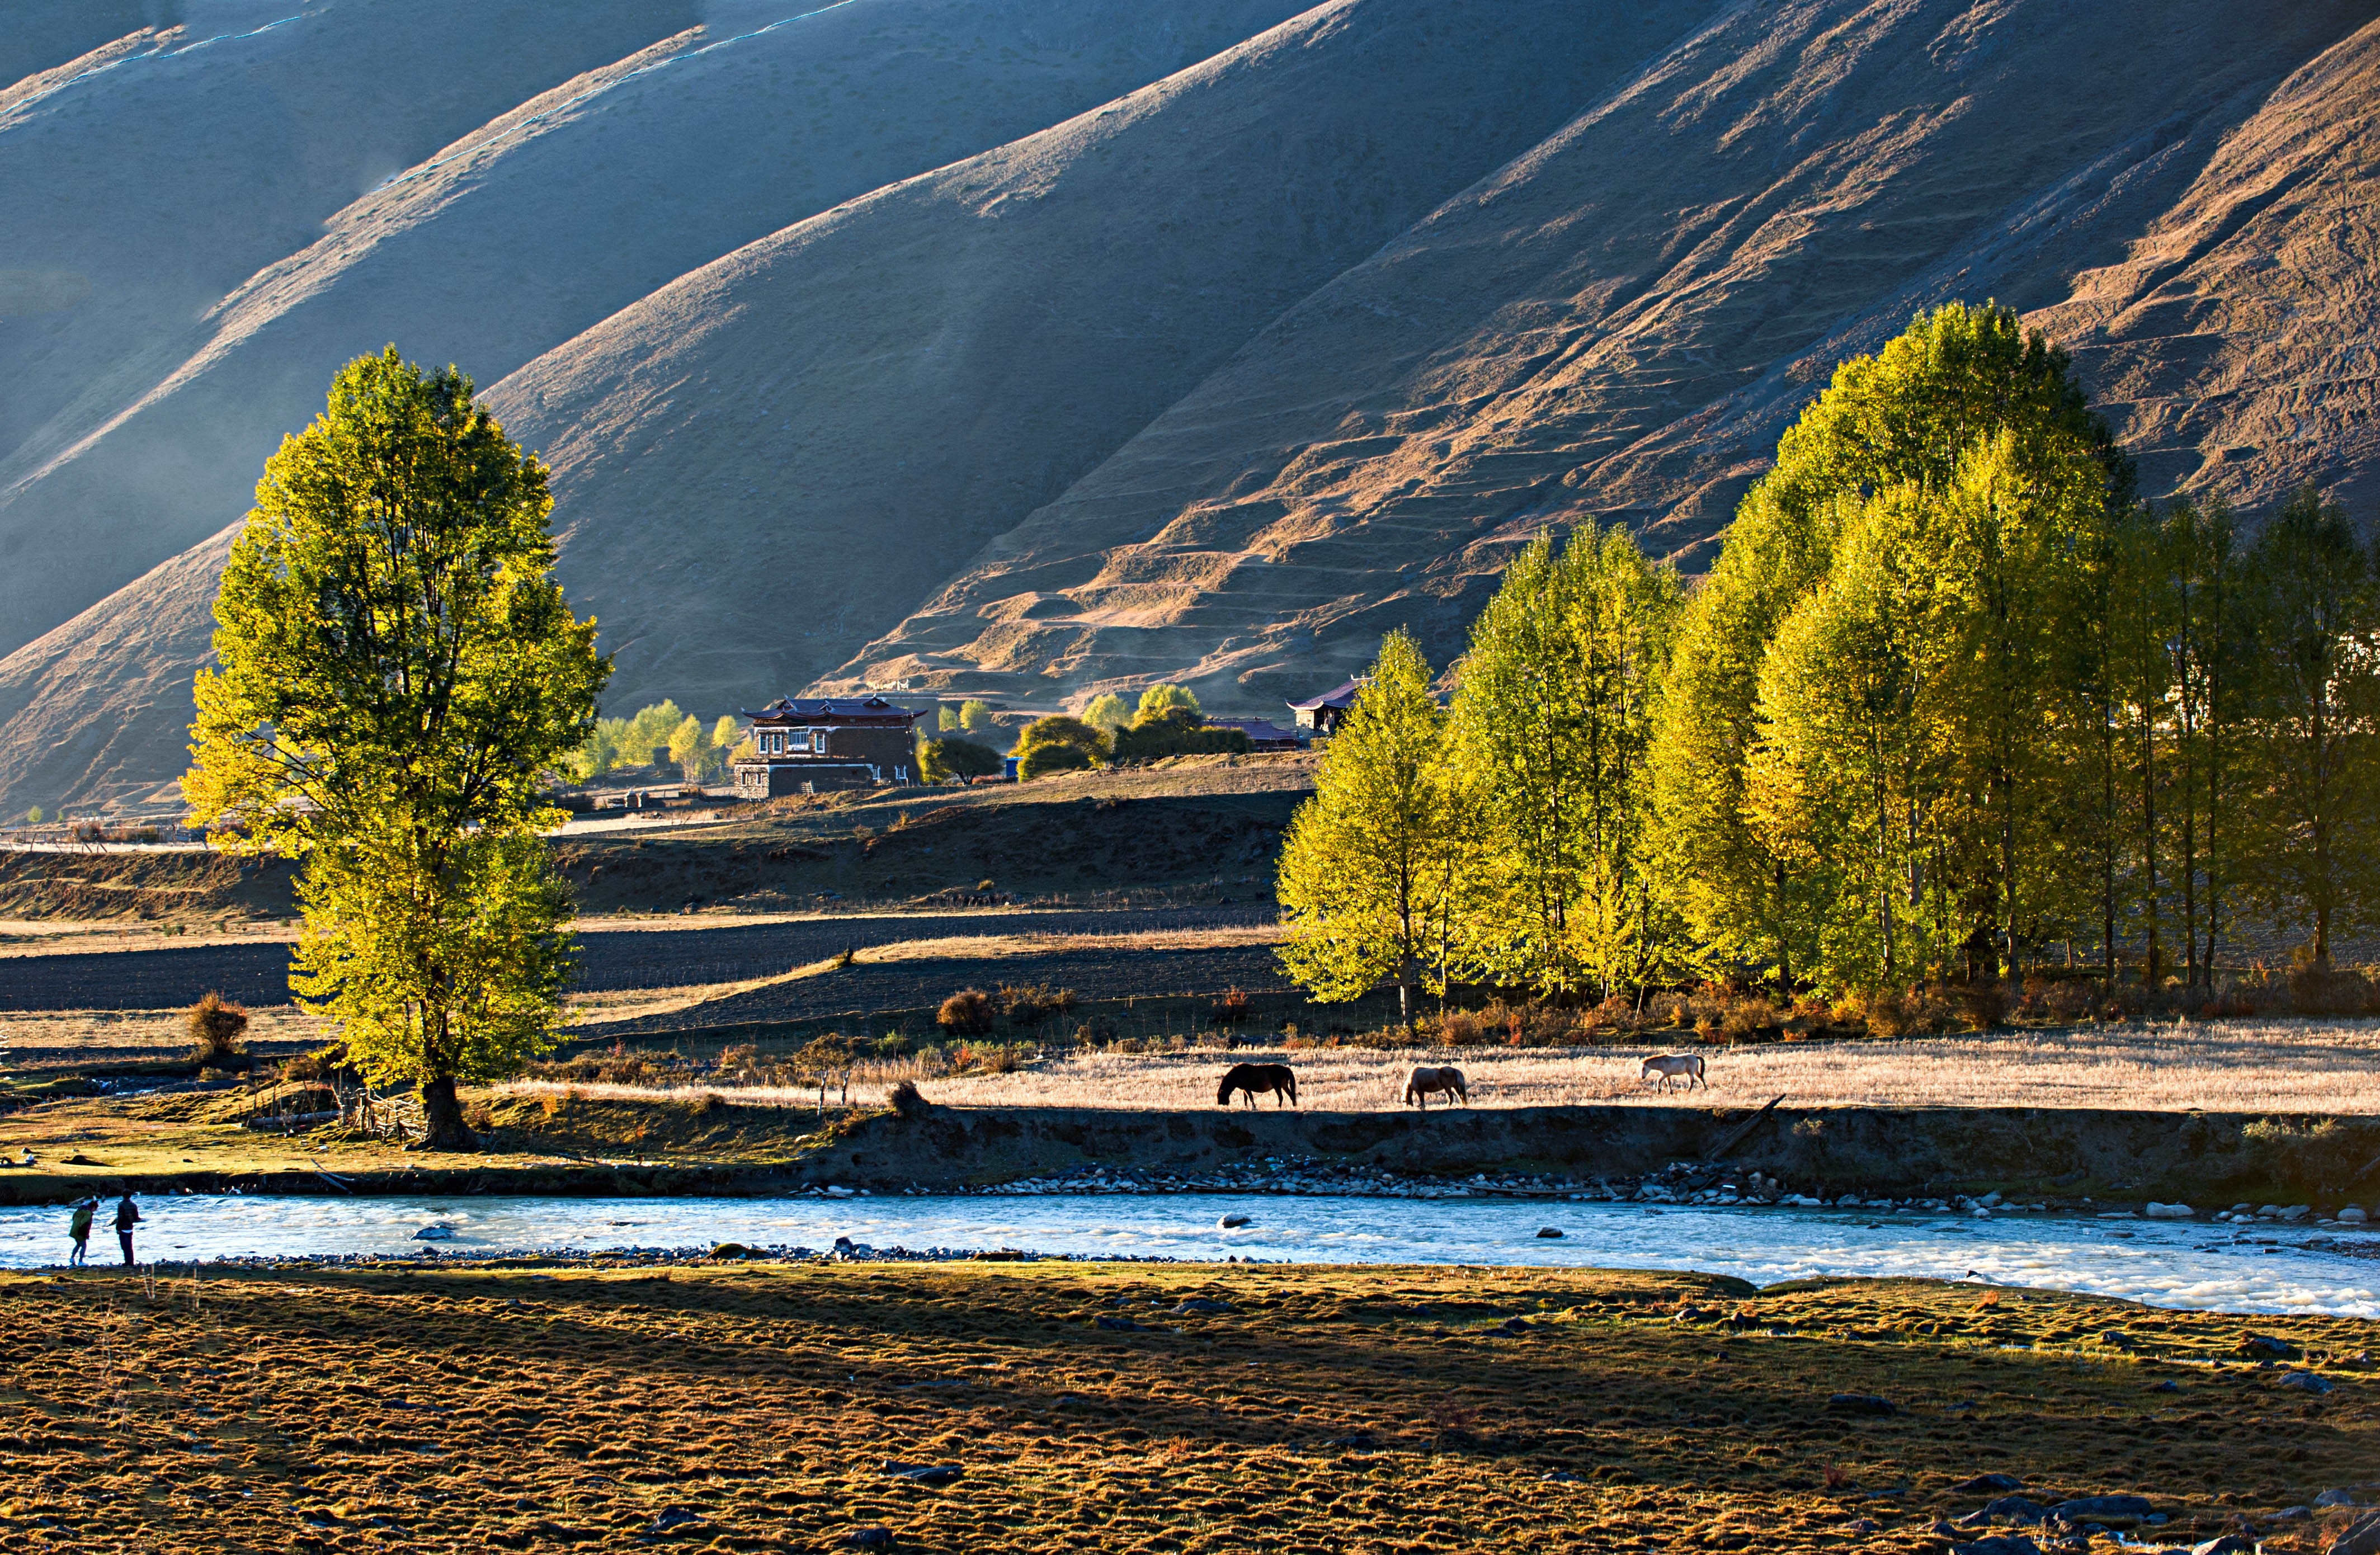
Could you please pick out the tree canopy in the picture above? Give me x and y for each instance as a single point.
(399, 679)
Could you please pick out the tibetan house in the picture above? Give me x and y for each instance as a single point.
(834, 742)
(1324, 713)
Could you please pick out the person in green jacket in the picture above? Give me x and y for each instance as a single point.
(80, 1228)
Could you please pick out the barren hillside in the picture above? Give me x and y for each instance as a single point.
(1036, 350)
(1620, 324)
(541, 222)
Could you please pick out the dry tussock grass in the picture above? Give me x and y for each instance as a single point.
(2287, 1065)
(388, 1408)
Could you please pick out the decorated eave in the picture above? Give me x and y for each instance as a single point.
(787, 712)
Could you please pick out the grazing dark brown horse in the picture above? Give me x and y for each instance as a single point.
(1250, 1078)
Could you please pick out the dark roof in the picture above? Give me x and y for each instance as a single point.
(1344, 697)
(833, 709)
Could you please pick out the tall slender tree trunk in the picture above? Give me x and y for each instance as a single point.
(2107, 842)
(2148, 841)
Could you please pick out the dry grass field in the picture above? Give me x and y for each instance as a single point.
(760, 1408)
(2276, 1066)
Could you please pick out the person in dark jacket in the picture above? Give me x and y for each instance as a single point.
(128, 1215)
(80, 1228)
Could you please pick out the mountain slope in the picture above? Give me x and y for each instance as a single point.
(1619, 324)
(772, 460)
(150, 184)
(2233, 343)
(571, 206)
(1221, 380)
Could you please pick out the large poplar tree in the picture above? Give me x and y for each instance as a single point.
(1552, 715)
(399, 677)
(2317, 847)
(1905, 416)
(1376, 867)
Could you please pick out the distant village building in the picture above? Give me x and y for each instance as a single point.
(1324, 713)
(834, 742)
(1262, 735)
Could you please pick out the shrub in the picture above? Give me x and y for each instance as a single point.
(941, 760)
(1040, 761)
(2332, 993)
(1230, 1007)
(216, 1027)
(1165, 699)
(1980, 1006)
(965, 1014)
(1106, 712)
(1177, 734)
(905, 1101)
(1031, 1005)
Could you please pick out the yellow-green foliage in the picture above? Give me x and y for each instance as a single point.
(1060, 744)
(1378, 869)
(1552, 720)
(398, 671)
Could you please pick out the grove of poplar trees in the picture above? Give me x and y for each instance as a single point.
(1952, 702)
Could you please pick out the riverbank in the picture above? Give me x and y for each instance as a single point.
(563, 1144)
(762, 1406)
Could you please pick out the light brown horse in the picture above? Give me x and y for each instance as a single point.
(1250, 1078)
(1425, 1081)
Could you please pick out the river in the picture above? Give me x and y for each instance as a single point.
(2260, 1268)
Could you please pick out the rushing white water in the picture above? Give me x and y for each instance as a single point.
(2165, 1263)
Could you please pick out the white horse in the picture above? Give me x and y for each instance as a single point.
(1427, 1081)
(1670, 1066)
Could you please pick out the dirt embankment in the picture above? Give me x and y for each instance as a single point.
(2196, 1158)
(147, 887)
(711, 1146)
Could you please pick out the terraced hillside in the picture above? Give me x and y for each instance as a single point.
(1085, 343)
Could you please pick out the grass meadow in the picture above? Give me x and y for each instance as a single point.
(2234, 1066)
(761, 1407)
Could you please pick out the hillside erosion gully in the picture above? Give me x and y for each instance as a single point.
(2065, 1156)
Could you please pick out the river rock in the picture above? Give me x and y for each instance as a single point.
(925, 1473)
(1234, 1223)
(2229, 1544)
(2081, 1507)
(2005, 1509)
(2337, 1498)
(2359, 1537)
(2307, 1383)
(869, 1538)
(1984, 1483)
(1999, 1544)
(439, 1232)
(2353, 1216)
(2156, 1211)
(1550, 1231)
(672, 1517)
(1511, 1328)
(1861, 1404)
(1200, 1304)
(2265, 1347)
